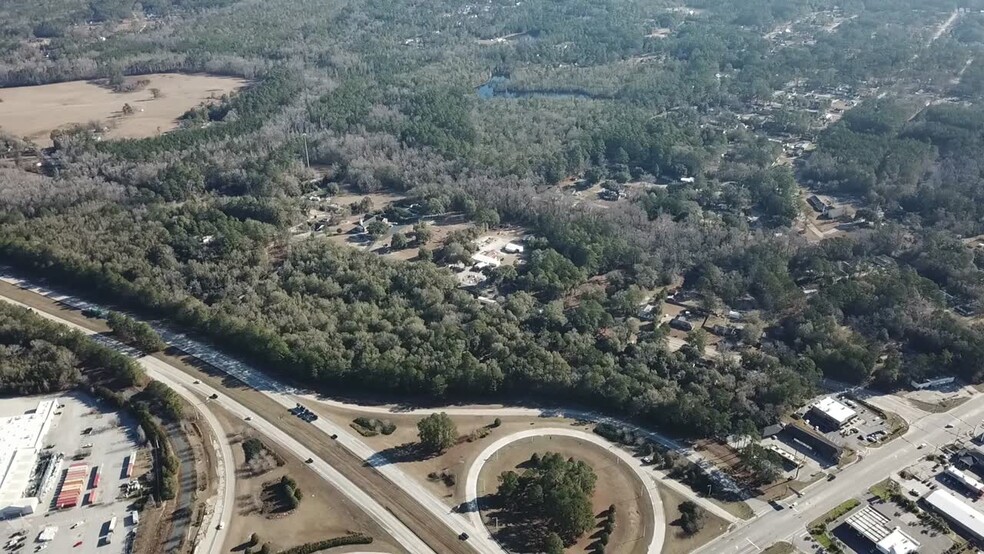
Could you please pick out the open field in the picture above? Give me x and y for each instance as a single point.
(33, 112)
(323, 513)
(616, 485)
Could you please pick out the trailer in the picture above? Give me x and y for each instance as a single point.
(131, 460)
(134, 517)
(112, 524)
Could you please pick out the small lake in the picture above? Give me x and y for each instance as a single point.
(498, 87)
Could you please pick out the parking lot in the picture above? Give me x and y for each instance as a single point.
(930, 542)
(867, 429)
(84, 431)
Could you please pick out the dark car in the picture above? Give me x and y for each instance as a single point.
(463, 536)
(309, 461)
(213, 396)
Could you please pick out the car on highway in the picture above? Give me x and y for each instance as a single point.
(463, 536)
(213, 396)
(309, 461)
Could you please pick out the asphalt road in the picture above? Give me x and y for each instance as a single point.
(641, 471)
(875, 466)
(286, 397)
(383, 517)
(211, 537)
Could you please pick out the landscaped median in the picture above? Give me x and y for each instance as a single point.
(818, 527)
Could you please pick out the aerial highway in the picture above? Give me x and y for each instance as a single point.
(286, 396)
(211, 537)
(172, 376)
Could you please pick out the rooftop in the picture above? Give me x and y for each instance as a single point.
(835, 410)
(21, 437)
(958, 511)
(897, 542)
(874, 526)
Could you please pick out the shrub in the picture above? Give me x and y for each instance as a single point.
(312, 547)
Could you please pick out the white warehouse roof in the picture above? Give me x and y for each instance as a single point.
(835, 410)
(21, 438)
(897, 542)
(957, 511)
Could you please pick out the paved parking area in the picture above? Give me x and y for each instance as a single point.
(867, 428)
(113, 437)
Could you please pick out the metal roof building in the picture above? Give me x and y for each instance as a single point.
(973, 485)
(958, 512)
(874, 526)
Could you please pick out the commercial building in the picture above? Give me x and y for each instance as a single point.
(21, 439)
(825, 448)
(962, 515)
(832, 412)
(873, 526)
(973, 486)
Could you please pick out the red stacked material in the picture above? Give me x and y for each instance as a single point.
(129, 464)
(72, 486)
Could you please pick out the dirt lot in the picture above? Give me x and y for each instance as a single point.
(677, 542)
(616, 485)
(34, 112)
(323, 512)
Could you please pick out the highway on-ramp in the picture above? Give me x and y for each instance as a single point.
(650, 493)
(156, 368)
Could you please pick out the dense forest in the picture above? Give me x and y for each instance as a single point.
(680, 101)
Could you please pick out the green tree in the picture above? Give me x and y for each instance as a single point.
(376, 229)
(437, 432)
(399, 241)
(691, 517)
(553, 544)
(554, 492)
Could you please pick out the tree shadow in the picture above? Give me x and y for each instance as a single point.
(406, 452)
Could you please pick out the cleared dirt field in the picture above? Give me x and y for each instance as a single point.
(678, 542)
(33, 112)
(616, 485)
(323, 513)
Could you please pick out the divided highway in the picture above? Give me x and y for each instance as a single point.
(172, 376)
(434, 510)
